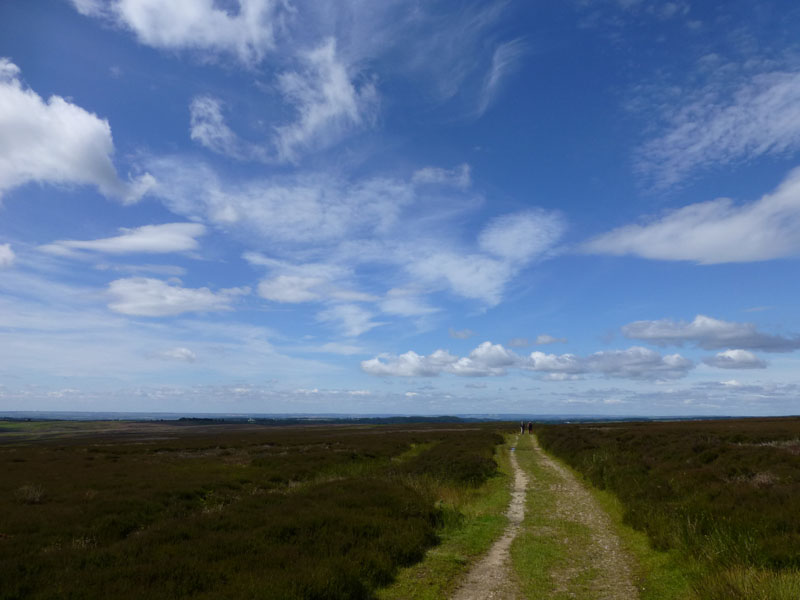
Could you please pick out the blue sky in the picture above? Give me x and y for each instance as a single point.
(588, 206)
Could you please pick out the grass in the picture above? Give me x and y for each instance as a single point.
(549, 549)
(538, 550)
(228, 511)
(473, 518)
(720, 496)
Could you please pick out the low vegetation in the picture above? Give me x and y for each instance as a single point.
(230, 511)
(723, 494)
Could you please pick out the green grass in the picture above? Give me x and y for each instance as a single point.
(719, 497)
(547, 546)
(473, 518)
(538, 549)
(659, 575)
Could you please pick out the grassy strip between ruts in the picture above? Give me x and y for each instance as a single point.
(547, 545)
(473, 519)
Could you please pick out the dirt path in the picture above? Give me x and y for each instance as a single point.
(598, 564)
(491, 579)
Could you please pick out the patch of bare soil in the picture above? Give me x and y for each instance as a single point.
(490, 579)
(601, 565)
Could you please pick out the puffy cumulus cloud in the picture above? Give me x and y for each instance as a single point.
(553, 363)
(493, 360)
(150, 239)
(55, 141)
(715, 232)
(639, 363)
(146, 297)
(726, 126)
(327, 101)
(247, 33)
(544, 339)
(735, 359)
(351, 320)
(458, 177)
(179, 353)
(522, 236)
(409, 364)
(710, 334)
(7, 256)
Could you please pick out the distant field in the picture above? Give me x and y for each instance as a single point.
(162, 510)
(724, 494)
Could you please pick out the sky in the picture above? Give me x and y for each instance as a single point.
(404, 207)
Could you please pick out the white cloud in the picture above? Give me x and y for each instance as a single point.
(180, 353)
(247, 33)
(735, 359)
(493, 359)
(56, 142)
(308, 282)
(544, 339)
(152, 239)
(519, 342)
(208, 128)
(291, 288)
(460, 334)
(7, 256)
(300, 209)
(472, 275)
(327, 102)
(409, 364)
(142, 296)
(339, 348)
(716, 231)
(709, 334)
(458, 177)
(553, 363)
(522, 236)
(371, 221)
(760, 117)
(505, 60)
(405, 303)
(639, 363)
(351, 319)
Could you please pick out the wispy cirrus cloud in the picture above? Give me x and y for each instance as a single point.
(505, 60)
(349, 224)
(208, 128)
(351, 320)
(723, 127)
(7, 256)
(327, 101)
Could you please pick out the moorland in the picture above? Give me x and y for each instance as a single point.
(160, 510)
(722, 495)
